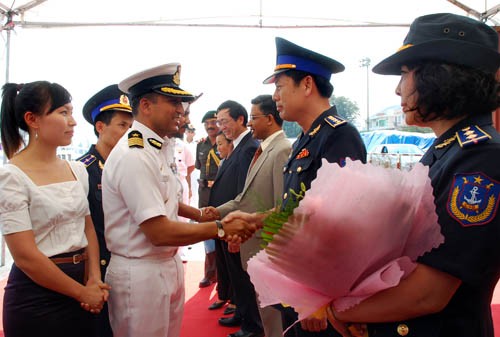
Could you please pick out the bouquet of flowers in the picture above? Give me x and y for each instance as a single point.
(357, 231)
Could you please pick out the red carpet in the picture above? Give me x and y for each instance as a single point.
(200, 322)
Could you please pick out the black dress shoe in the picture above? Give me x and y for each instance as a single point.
(205, 283)
(230, 321)
(216, 305)
(229, 310)
(243, 333)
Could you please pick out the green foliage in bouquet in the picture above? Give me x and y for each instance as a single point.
(274, 221)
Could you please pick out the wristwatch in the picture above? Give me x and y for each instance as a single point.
(220, 230)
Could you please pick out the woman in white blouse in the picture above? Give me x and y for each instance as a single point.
(45, 218)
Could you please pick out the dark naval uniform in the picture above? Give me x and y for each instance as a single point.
(207, 161)
(94, 163)
(329, 137)
(465, 175)
(332, 138)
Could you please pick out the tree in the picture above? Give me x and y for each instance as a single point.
(346, 108)
(291, 129)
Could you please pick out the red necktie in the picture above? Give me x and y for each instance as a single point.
(255, 157)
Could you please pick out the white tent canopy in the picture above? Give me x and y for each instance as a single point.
(226, 47)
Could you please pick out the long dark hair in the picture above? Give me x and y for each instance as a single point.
(448, 91)
(37, 97)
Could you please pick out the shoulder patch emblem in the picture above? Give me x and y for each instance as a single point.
(87, 160)
(155, 143)
(473, 199)
(335, 121)
(135, 139)
(471, 135)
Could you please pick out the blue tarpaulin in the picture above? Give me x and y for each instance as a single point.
(374, 138)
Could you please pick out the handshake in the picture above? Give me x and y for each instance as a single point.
(238, 226)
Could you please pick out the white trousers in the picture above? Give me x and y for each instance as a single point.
(146, 297)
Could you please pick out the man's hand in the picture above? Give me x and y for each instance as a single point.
(255, 219)
(209, 214)
(316, 322)
(239, 226)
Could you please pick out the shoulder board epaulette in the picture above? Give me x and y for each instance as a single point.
(471, 135)
(335, 121)
(155, 143)
(135, 139)
(87, 159)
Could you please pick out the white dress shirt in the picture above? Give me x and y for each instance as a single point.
(54, 212)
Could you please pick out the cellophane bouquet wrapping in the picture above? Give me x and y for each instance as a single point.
(358, 230)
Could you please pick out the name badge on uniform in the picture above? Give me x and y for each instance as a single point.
(473, 199)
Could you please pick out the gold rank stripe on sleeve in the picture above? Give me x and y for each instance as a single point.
(471, 135)
(135, 139)
(334, 121)
(211, 154)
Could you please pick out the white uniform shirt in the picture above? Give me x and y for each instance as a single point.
(183, 157)
(55, 212)
(138, 184)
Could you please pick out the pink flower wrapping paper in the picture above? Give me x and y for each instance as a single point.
(358, 230)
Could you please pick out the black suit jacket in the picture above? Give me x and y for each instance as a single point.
(232, 174)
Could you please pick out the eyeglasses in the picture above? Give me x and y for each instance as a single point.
(210, 122)
(221, 122)
(251, 117)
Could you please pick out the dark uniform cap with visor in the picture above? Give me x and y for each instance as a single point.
(448, 38)
(109, 98)
(290, 56)
(163, 80)
(209, 115)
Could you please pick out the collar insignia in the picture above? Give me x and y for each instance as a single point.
(471, 135)
(155, 143)
(88, 159)
(445, 142)
(135, 139)
(335, 121)
(473, 199)
(315, 131)
(302, 154)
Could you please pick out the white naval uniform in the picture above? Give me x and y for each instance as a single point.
(183, 159)
(147, 282)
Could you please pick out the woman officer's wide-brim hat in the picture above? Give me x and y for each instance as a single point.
(449, 38)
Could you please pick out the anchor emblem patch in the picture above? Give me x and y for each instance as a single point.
(473, 199)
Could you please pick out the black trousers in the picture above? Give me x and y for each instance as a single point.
(32, 310)
(244, 292)
(224, 287)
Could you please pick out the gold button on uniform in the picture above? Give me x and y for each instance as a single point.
(103, 262)
(403, 329)
(284, 169)
(299, 169)
(285, 195)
